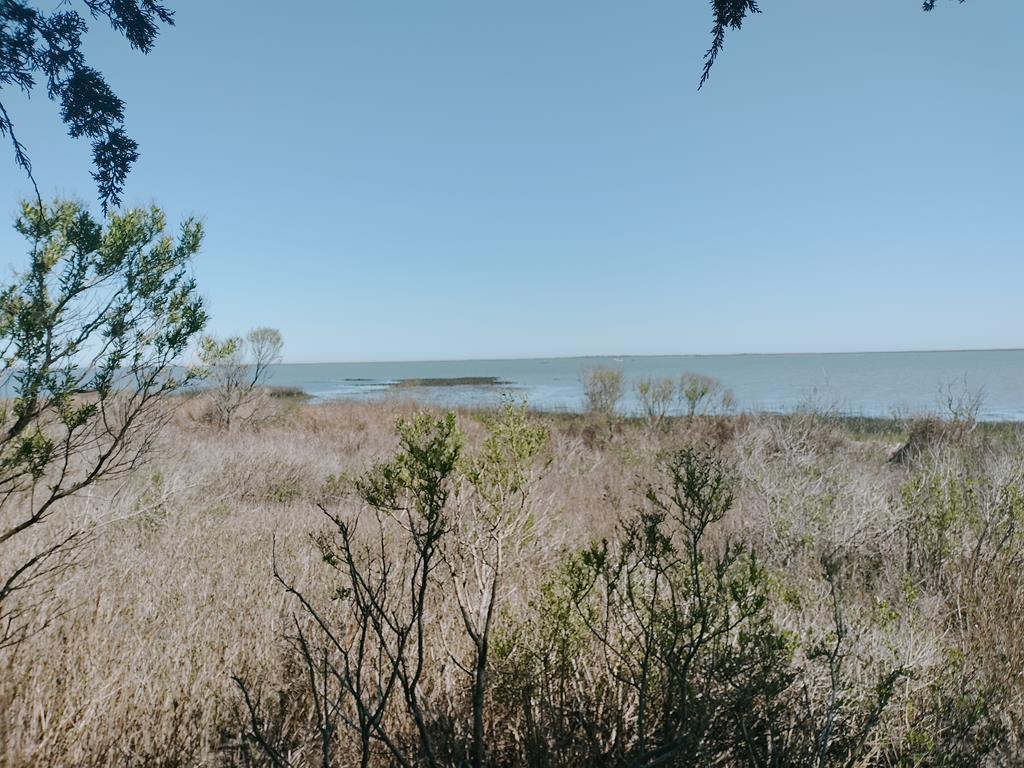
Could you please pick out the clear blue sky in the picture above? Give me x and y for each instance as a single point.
(445, 179)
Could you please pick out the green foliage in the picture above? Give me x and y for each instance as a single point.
(334, 487)
(730, 14)
(214, 351)
(385, 587)
(33, 450)
(683, 626)
(284, 491)
(501, 471)
(541, 646)
(96, 310)
(960, 517)
(957, 721)
(963, 541)
(546, 680)
(419, 477)
(34, 43)
(662, 644)
(90, 334)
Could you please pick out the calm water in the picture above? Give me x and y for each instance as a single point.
(870, 384)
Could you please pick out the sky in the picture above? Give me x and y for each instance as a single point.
(448, 179)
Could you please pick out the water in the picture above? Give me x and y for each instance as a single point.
(867, 384)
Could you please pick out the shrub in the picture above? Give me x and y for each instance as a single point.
(441, 521)
(697, 392)
(237, 369)
(656, 397)
(90, 332)
(602, 390)
(684, 627)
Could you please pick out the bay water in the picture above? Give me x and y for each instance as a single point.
(863, 384)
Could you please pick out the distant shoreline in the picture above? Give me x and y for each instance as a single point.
(858, 383)
(659, 356)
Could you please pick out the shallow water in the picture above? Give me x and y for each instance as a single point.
(868, 384)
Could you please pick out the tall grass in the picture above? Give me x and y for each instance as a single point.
(864, 612)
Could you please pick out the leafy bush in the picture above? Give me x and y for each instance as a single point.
(683, 626)
(91, 332)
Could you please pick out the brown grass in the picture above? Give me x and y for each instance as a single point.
(174, 593)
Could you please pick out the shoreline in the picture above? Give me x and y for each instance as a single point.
(654, 356)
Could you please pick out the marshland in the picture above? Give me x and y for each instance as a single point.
(320, 585)
(500, 385)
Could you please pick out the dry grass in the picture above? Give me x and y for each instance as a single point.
(174, 593)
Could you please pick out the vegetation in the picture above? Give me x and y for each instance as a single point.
(688, 590)
(656, 397)
(236, 369)
(288, 393)
(695, 394)
(603, 389)
(90, 333)
(35, 43)
(497, 591)
(699, 391)
(730, 14)
(736, 590)
(452, 381)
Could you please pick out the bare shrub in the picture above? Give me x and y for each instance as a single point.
(960, 405)
(963, 540)
(954, 424)
(656, 397)
(925, 434)
(236, 369)
(369, 679)
(813, 429)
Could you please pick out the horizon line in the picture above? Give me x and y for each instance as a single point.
(661, 355)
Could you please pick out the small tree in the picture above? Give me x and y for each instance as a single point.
(602, 389)
(438, 526)
(366, 675)
(237, 369)
(655, 396)
(697, 391)
(90, 333)
(495, 523)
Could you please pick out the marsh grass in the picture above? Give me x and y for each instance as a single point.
(452, 381)
(896, 590)
(288, 393)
